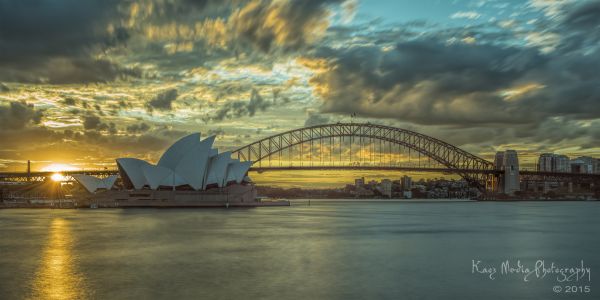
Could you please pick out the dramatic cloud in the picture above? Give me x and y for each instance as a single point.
(138, 128)
(217, 132)
(237, 109)
(91, 144)
(91, 122)
(245, 30)
(103, 41)
(163, 100)
(70, 101)
(285, 24)
(18, 114)
(59, 42)
(316, 119)
(584, 15)
(427, 82)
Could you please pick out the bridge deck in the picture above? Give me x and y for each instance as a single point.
(527, 173)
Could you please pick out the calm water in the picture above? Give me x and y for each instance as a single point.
(330, 250)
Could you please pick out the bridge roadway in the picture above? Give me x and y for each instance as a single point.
(525, 174)
(37, 176)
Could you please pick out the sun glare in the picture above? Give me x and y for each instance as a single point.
(57, 177)
(56, 167)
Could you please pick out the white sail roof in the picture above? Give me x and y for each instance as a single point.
(172, 180)
(177, 151)
(155, 175)
(193, 165)
(241, 170)
(133, 169)
(92, 184)
(231, 170)
(217, 169)
(188, 161)
(236, 170)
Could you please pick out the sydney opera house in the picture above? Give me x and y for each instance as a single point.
(190, 173)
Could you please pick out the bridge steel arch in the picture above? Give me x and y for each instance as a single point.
(475, 170)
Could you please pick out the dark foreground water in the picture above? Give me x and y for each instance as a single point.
(330, 250)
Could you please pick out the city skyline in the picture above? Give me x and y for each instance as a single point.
(84, 83)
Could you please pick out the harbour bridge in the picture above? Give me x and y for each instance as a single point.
(360, 146)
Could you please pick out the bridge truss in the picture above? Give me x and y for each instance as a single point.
(364, 146)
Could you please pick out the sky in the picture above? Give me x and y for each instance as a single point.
(84, 82)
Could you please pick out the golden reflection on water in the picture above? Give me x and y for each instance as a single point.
(57, 276)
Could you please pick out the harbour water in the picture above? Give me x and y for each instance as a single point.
(328, 250)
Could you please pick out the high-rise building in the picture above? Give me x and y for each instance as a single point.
(545, 162)
(386, 187)
(577, 166)
(406, 183)
(561, 164)
(511, 172)
(359, 182)
(583, 164)
(550, 162)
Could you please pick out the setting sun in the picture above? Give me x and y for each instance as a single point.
(57, 177)
(58, 167)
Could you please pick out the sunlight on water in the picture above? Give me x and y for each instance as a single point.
(328, 250)
(57, 276)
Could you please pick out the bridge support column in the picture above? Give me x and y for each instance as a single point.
(570, 187)
(499, 184)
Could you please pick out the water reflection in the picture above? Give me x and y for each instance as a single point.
(57, 276)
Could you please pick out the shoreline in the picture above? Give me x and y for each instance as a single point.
(424, 200)
(278, 203)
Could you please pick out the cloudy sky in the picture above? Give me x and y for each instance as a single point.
(83, 82)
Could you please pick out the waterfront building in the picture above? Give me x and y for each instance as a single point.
(561, 164)
(93, 184)
(577, 166)
(359, 182)
(189, 164)
(406, 183)
(386, 187)
(585, 164)
(363, 192)
(550, 162)
(511, 172)
(189, 173)
(545, 162)
(588, 164)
